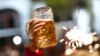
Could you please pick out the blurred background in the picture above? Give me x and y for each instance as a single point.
(69, 13)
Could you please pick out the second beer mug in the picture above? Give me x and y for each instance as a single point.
(46, 36)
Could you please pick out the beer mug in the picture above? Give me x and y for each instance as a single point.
(46, 36)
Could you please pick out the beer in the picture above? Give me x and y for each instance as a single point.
(45, 37)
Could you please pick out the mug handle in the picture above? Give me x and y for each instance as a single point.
(26, 28)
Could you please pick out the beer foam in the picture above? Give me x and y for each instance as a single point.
(43, 13)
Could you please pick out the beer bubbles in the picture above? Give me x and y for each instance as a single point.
(42, 35)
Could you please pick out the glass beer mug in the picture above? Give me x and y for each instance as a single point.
(46, 36)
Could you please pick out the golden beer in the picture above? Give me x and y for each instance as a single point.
(46, 36)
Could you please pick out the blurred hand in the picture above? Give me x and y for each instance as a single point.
(75, 43)
(34, 25)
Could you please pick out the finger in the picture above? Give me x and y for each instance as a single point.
(33, 26)
(38, 25)
(66, 43)
(37, 29)
(33, 22)
(36, 21)
(69, 44)
(80, 44)
(31, 36)
(73, 45)
(76, 43)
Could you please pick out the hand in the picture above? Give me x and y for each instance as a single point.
(34, 25)
(74, 44)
